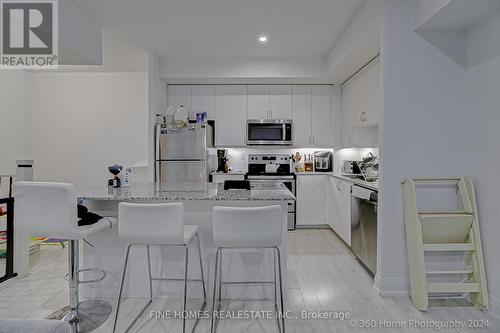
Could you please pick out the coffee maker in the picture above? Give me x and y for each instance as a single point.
(221, 160)
(115, 170)
(323, 161)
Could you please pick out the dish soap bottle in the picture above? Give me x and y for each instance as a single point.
(181, 117)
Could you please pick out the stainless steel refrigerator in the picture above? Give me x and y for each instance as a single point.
(181, 153)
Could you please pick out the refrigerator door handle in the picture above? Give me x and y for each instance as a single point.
(157, 142)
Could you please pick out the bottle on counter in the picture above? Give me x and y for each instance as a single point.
(192, 117)
(181, 116)
(308, 163)
(126, 177)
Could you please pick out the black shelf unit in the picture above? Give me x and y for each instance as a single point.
(9, 267)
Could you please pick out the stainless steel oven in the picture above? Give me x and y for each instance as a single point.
(269, 132)
(269, 182)
(270, 170)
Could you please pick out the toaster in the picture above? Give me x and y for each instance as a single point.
(351, 167)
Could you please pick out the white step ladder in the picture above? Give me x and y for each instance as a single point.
(444, 231)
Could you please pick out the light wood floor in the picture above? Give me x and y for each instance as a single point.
(323, 275)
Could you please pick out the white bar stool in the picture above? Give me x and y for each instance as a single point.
(50, 210)
(247, 228)
(160, 225)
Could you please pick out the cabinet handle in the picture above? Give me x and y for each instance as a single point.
(313, 139)
(270, 114)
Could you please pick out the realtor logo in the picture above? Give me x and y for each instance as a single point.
(29, 33)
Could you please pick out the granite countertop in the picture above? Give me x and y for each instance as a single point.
(370, 185)
(236, 172)
(312, 173)
(186, 191)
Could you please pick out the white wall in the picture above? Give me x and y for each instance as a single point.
(84, 122)
(15, 133)
(430, 128)
(427, 8)
(484, 83)
(194, 69)
(118, 55)
(439, 119)
(80, 36)
(358, 44)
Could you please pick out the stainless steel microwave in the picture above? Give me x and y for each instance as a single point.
(269, 132)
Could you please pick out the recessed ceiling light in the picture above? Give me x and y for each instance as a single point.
(262, 39)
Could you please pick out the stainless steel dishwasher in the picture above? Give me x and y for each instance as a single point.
(364, 226)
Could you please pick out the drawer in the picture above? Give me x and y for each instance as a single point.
(220, 178)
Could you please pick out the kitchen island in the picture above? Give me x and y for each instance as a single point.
(107, 251)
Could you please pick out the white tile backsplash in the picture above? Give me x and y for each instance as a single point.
(238, 157)
(350, 154)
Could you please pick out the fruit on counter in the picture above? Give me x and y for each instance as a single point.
(3, 210)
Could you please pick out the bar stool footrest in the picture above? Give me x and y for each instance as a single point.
(103, 272)
(175, 279)
(247, 282)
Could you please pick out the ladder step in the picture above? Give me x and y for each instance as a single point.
(445, 228)
(463, 271)
(440, 287)
(449, 247)
(445, 213)
(444, 217)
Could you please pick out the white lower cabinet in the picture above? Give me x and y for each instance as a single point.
(323, 199)
(339, 207)
(311, 200)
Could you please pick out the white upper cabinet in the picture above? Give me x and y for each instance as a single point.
(361, 102)
(258, 102)
(269, 102)
(280, 101)
(321, 111)
(309, 106)
(230, 120)
(312, 112)
(179, 95)
(203, 100)
(302, 115)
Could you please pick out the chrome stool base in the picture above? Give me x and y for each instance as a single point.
(91, 314)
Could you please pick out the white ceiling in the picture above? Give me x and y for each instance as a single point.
(227, 28)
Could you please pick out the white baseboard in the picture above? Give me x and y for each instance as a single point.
(397, 286)
(312, 226)
(391, 286)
